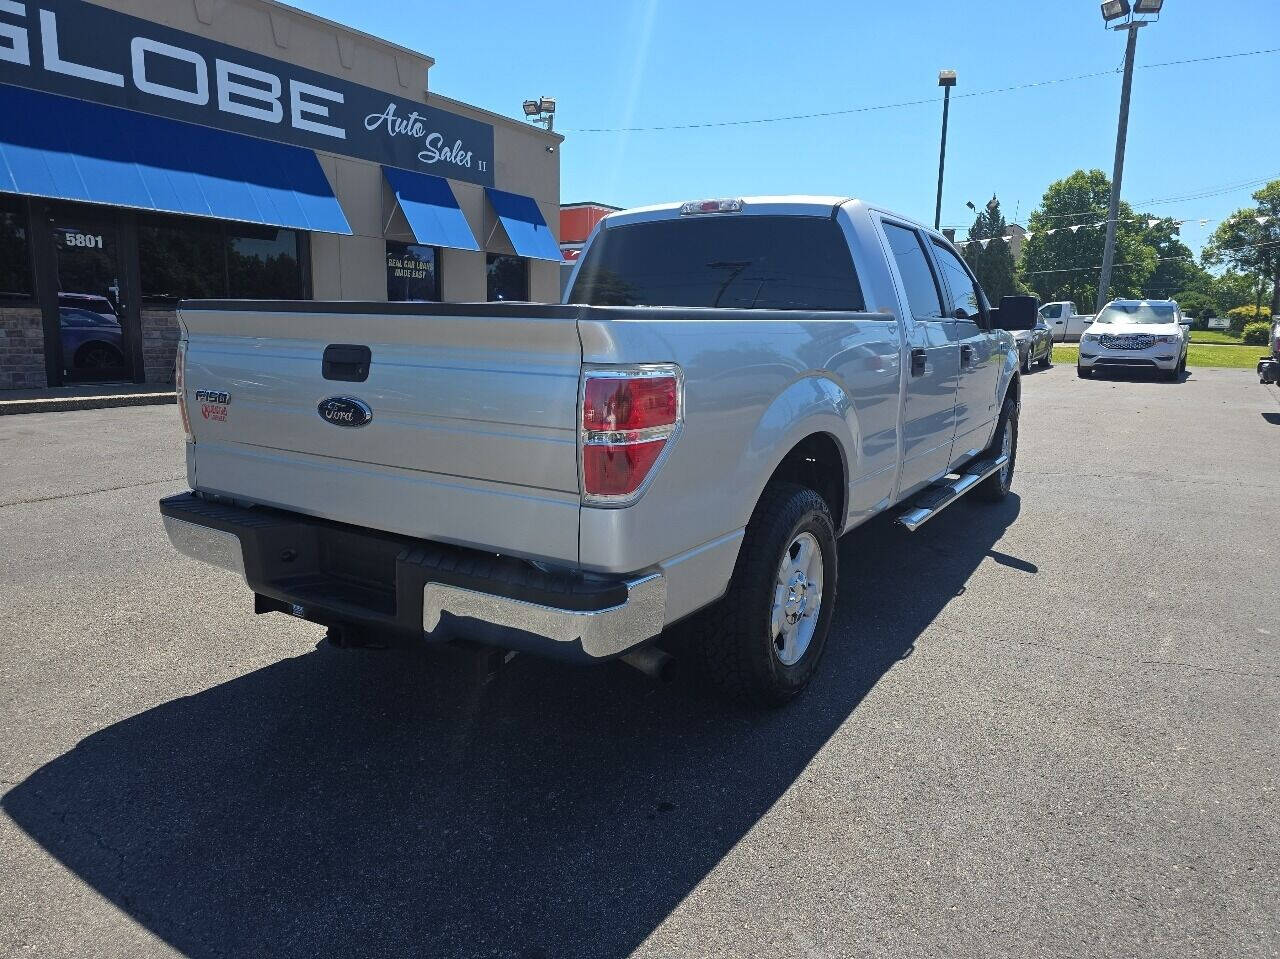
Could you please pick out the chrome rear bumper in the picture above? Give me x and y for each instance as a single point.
(342, 576)
(535, 627)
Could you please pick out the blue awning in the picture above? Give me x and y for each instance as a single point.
(525, 227)
(431, 209)
(68, 149)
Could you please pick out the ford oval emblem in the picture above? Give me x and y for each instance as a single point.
(345, 411)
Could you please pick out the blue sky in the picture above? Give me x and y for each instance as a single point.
(1194, 128)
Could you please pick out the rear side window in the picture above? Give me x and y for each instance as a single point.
(964, 291)
(917, 276)
(732, 261)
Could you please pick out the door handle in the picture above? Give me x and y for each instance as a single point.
(919, 362)
(966, 354)
(346, 361)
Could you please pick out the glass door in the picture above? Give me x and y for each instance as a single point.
(94, 329)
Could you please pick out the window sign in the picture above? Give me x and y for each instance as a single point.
(84, 50)
(412, 273)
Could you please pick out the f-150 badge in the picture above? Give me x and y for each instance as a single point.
(213, 404)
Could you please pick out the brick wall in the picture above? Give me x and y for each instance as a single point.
(21, 348)
(159, 344)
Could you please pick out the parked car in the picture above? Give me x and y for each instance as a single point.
(1064, 322)
(1035, 346)
(1269, 366)
(1136, 334)
(92, 340)
(722, 395)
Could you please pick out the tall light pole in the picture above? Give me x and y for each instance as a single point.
(946, 80)
(1118, 15)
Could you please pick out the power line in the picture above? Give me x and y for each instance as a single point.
(1156, 201)
(1160, 259)
(912, 103)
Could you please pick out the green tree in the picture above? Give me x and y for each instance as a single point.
(1249, 241)
(1231, 289)
(993, 266)
(1063, 258)
(1177, 271)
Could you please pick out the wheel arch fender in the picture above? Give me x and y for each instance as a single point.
(814, 409)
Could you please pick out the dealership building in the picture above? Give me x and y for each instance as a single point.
(156, 151)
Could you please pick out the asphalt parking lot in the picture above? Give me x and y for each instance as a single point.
(1049, 727)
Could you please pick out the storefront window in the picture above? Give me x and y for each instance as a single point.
(413, 272)
(199, 259)
(263, 264)
(181, 259)
(15, 251)
(508, 277)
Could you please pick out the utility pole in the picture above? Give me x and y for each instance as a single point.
(1117, 174)
(946, 80)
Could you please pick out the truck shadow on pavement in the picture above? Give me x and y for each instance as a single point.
(362, 803)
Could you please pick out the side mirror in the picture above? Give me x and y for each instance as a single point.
(1016, 313)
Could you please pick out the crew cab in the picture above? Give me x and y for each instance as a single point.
(1064, 323)
(729, 386)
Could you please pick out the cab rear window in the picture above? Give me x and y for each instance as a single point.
(730, 261)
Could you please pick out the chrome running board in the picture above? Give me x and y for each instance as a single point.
(932, 500)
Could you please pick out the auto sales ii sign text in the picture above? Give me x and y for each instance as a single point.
(77, 49)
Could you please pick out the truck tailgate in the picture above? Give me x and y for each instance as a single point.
(472, 438)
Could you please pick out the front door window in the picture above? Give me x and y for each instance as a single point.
(91, 304)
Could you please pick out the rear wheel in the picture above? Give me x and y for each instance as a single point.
(98, 356)
(761, 644)
(1005, 443)
(1046, 361)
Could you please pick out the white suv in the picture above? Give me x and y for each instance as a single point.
(1136, 334)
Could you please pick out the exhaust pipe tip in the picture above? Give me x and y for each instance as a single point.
(653, 662)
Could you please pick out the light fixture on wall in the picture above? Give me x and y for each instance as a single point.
(542, 110)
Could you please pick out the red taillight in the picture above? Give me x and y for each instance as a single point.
(628, 403)
(179, 386)
(628, 417)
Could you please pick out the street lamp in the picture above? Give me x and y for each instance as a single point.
(1117, 15)
(946, 80)
(542, 110)
(1115, 9)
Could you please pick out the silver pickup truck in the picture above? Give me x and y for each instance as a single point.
(729, 386)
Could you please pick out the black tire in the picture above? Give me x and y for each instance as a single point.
(1025, 366)
(1082, 372)
(734, 639)
(1046, 361)
(996, 486)
(98, 356)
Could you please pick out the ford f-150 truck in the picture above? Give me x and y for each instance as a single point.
(729, 386)
(1064, 323)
